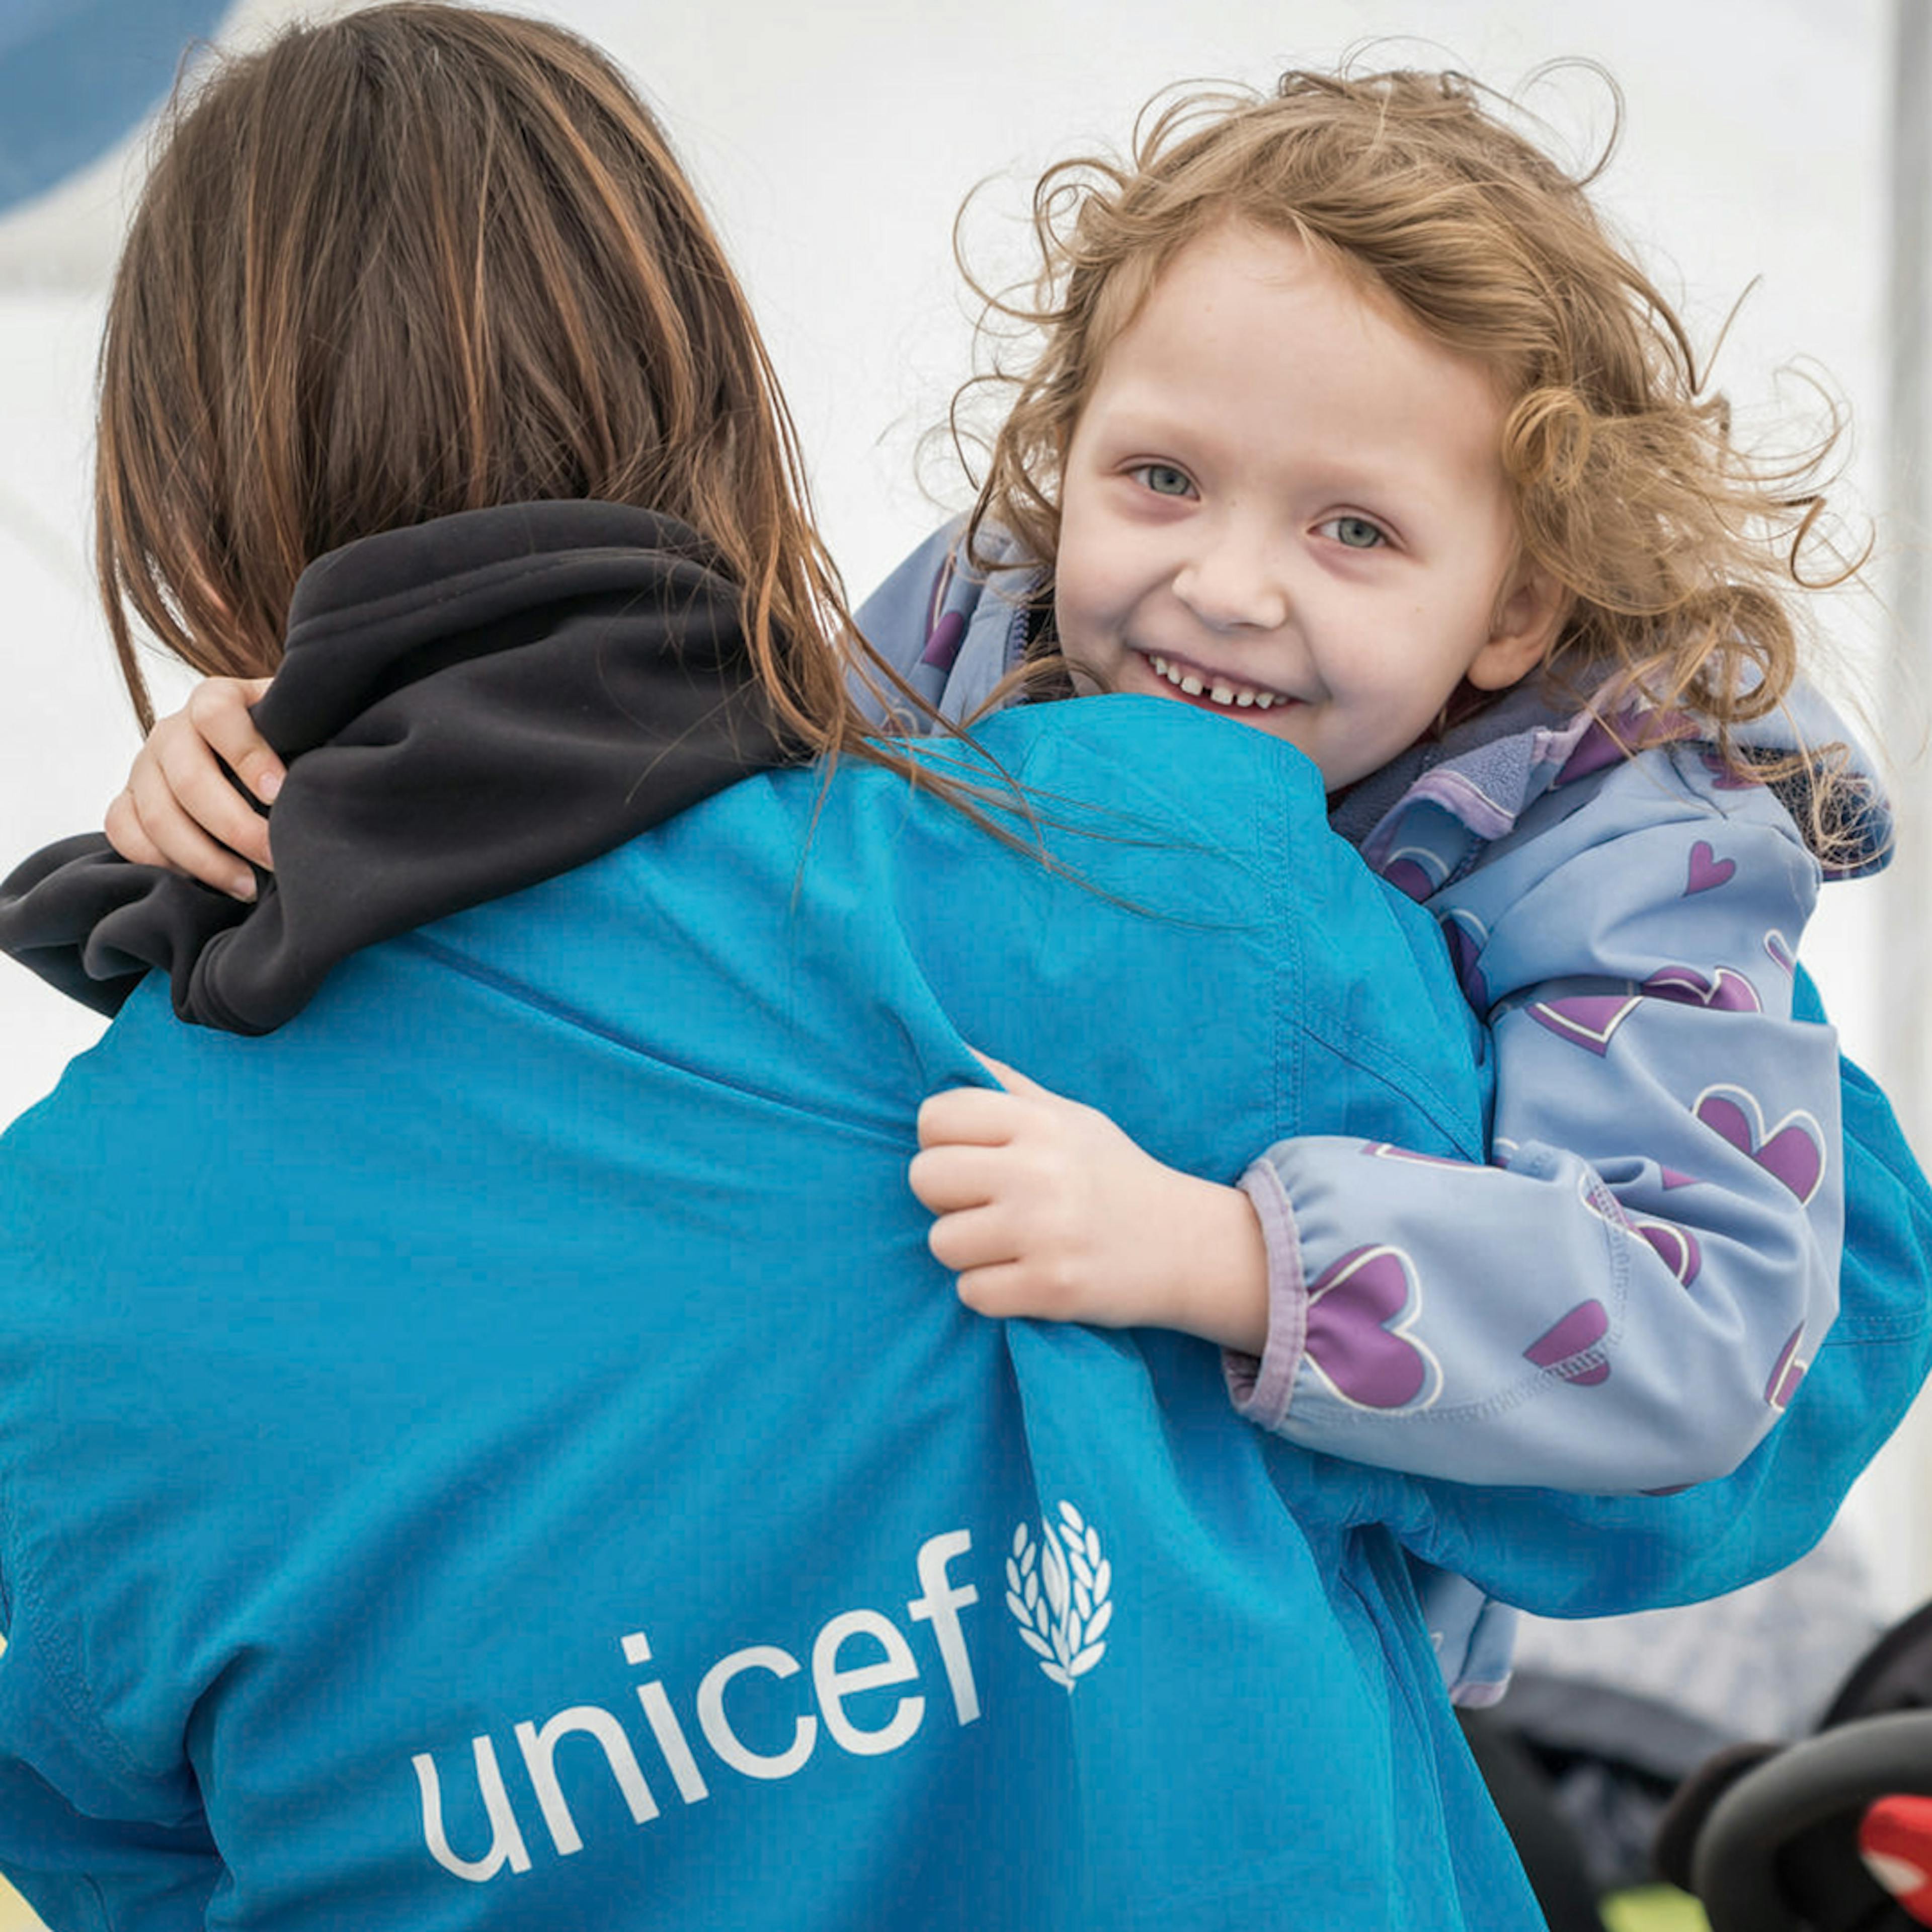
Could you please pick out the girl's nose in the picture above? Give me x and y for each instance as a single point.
(1233, 585)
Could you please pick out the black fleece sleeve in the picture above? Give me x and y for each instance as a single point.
(466, 708)
(93, 925)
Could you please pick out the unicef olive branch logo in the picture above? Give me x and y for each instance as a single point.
(1060, 1591)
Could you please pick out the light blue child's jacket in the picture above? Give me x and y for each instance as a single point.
(1624, 1297)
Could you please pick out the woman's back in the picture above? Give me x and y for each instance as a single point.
(572, 1334)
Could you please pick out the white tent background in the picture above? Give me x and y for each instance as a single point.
(834, 144)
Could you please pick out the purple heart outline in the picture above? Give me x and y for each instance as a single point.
(1787, 1372)
(1414, 870)
(1676, 1247)
(1708, 871)
(1601, 745)
(1722, 778)
(1724, 992)
(1587, 1020)
(1408, 878)
(1570, 1347)
(1596, 751)
(942, 647)
(1358, 1311)
(1793, 1152)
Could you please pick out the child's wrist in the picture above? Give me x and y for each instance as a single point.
(1224, 1297)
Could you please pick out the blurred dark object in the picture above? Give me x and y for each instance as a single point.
(1546, 1840)
(1768, 1836)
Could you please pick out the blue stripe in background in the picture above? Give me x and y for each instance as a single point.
(77, 76)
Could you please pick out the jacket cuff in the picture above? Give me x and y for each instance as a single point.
(1261, 1388)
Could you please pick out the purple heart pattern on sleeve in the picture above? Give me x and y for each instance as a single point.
(1359, 1312)
(1364, 1310)
(1792, 1151)
(1590, 1020)
(1572, 1348)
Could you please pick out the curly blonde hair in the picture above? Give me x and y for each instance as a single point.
(1681, 552)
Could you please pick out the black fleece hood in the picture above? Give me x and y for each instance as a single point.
(466, 707)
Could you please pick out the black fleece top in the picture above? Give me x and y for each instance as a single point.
(466, 706)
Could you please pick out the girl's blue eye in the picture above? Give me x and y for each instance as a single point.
(1165, 480)
(1355, 532)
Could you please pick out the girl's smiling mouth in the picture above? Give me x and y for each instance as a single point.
(1214, 688)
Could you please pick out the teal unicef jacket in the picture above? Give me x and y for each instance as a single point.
(496, 1452)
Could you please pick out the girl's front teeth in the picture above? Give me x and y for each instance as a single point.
(1220, 691)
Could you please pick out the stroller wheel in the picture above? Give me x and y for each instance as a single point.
(1735, 1867)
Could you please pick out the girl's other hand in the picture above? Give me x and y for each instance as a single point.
(181, 810)
(1046, 1208)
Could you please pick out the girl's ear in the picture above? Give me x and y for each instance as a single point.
(1527, 623)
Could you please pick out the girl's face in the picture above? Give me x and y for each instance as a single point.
(1283, 501)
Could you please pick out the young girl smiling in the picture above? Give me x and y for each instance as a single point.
(1351, 422)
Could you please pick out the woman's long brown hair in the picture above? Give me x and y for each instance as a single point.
(428, 259)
